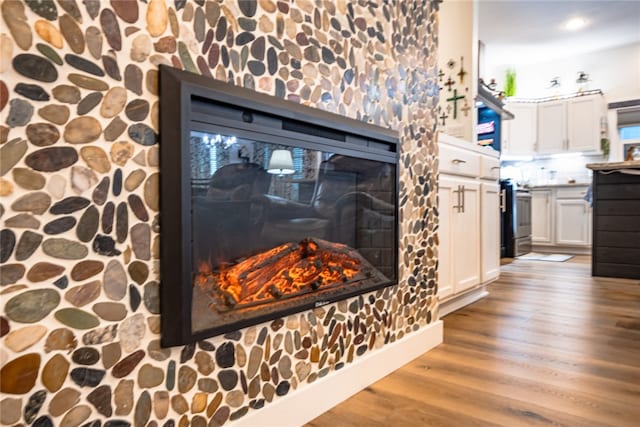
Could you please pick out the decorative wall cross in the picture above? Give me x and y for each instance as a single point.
(465, 109)
(449, 83)
(462, 72)
(455, 99)
(440, 75)
(443, 117)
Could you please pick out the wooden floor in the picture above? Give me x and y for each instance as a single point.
(550, 345)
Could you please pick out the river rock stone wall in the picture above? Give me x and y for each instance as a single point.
(80, 238)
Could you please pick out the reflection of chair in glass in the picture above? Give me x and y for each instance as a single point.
(227, 221)
(352, 204)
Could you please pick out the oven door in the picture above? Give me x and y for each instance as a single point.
(523, 214)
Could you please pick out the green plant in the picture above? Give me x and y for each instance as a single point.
(510, 82)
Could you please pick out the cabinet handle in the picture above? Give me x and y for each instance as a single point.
(495, 167)
(503, 201)
(457, 206)
(463, 197)
(458, 161)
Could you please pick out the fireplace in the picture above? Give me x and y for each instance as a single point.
(268, 207)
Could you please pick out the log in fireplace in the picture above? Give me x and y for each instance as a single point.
(268, 207)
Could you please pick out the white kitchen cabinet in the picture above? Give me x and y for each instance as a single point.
(552, 127)
(519, 135)
(490, 230)
(573, 219)
(541, 217)
(583, 123)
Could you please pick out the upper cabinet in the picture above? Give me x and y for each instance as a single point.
(551, 127)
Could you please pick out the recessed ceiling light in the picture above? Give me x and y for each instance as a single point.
(574, 24)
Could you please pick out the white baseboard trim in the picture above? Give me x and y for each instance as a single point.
(458, 302)
(569, 250)
(318, 397)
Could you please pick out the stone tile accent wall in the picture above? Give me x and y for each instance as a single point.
(79, 196)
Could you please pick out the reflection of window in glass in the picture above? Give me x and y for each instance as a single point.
(630, 132)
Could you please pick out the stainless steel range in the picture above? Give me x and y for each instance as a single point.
(515, 207)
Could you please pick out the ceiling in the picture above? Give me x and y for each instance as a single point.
(524, 31)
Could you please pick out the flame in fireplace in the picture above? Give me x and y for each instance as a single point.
(282, 272)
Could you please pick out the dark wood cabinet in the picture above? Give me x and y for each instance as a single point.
(616, 223)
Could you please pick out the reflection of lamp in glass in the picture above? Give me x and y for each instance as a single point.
(281, 163)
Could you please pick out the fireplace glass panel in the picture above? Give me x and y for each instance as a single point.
(276, 226)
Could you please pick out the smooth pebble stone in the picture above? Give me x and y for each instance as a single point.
(57, 114)
(64, 400)
(10, 410)
(156, 352)
(127, 10)
(121, 152)
(152, 297)
(131, 332)
(82, 179)
(72, 33)
(11, 273)
(7, 243)
(101, 192)
(138, 207)
(157, 17)
(60, 225)
(187, 353)
(105, 245)
(4, 98)
(28, 179)
(85, 356)
(62, 282)
(150, 376)
(127, 365)
(87, 376)
(16, 21)
(55, 372)
(36, 202)
(33, 92)
(221, 416)
(140, 158)
(133, 181)
(22, 221)
(82, 130)
(88, 103)
(204, 362)
(161, 404)
(33, 405)
(111, 66)
(93, 7)
(186, 379)
(88, 225)
(111, 354)
(179, 404)
(64, 248)
(83, 65)
(138, 271)
(60, 339)
(117, 182)
(71, 8)
(140, 48)
(42, 134)
(43, 421)
(166, 44)
(133, 79)
(77, 319)
(87, 82)
(94, 41)
(19, 375)
(171, 375)
(185, 57)
(27, 245)
(11, 153)
(76, 416)
(35, 67)
(100, 398)
(100, 335)
(32, 306)
(228, 379)
(155, 114)
(137, 110)
(110, 311)
(118, 423)
(115, 280)
(151, 187)
(86, 269)
(108, 214)
(83, 294)
(153, 156)
(96, 158)
(113, 102)
(141, 240)
(69, 205)
(42, 271)
(111, 29)
(52, 159)
(49, 52)
(20, 113)
(123, 397)
(67, 94)
(234, 399)
(134, 298)
(23, 338)
(45, 8)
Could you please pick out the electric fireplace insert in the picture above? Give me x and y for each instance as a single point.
(268, 207)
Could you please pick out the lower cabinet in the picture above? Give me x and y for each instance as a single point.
(573, 222)
(541, 216)
(490, 230)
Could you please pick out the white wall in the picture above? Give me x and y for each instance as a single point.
(458, 38)
(615, 71)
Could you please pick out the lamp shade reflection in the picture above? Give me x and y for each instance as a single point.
(281, 163)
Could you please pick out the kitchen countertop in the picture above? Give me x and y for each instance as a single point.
(562, 185)
(634, 164)
(461, 143)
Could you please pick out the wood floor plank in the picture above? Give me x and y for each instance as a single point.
(550, 345)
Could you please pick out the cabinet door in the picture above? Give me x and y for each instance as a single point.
(572, 222)
(466, 238)
(541, 217)
(552, 127)
(490, 230)
(583, 123)
(447, 207)
(522, 129)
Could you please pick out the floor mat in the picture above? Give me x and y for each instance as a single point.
(532, 256)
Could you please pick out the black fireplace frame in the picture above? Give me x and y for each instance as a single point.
(179, 92)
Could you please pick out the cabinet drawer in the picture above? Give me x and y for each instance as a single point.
(460, 162)
(571, 192)
(490, 168)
